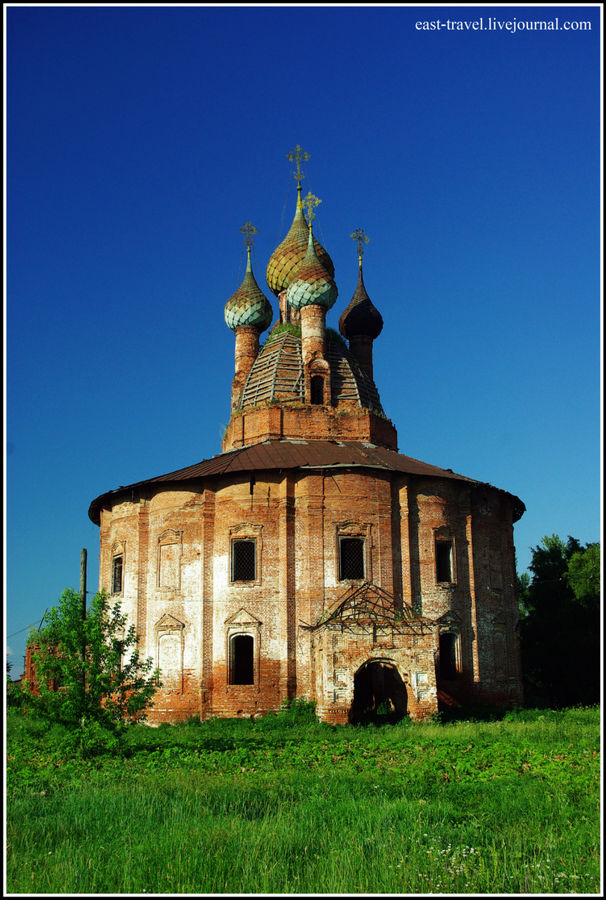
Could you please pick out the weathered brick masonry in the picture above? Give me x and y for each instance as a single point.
(310, 558)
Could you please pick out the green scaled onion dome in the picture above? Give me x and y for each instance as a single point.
(311, 284)
(289, 254)
(249, 305)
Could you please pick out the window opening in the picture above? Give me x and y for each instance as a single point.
(117, 575)
(317, 389)
(448, 655)
(444, 560)
(243, 560)
(241, 659)
(351, 558)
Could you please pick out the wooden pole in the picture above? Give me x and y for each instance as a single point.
(83, 580)
(83, 595)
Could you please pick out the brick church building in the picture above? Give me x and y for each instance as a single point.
(309, 558)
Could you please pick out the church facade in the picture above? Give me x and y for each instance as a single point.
(310, 558)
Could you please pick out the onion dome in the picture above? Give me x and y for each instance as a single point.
(289, 254)
(311, 284)
(361, 318)
(249, 305)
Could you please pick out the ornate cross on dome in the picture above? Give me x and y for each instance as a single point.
(298, 155)
(359, 235)
(310, 203)
(249, 230)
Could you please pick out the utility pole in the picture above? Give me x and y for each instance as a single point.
(83, 595)
(83, 580)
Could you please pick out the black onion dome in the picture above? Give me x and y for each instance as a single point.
(361, 317)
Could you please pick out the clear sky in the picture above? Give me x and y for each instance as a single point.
(140, 139)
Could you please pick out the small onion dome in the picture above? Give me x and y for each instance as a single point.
(249, 305)
(311, 284)
(289, 254)
(361, 317)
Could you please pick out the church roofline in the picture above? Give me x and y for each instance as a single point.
(299, 454)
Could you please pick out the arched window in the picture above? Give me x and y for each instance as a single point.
(444, 566)
(117, 566)
(448, 655)
(241, 659)
(317, 389)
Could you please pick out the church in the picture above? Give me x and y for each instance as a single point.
(310, 559)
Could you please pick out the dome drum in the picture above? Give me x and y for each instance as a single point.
(291, 421)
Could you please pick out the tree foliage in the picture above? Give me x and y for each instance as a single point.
(89, 668)
(583, 574)
(560, 623)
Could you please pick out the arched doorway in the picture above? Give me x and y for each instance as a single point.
(242, 659)
(379, 694)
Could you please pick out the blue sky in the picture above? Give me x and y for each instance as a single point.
(140, 139)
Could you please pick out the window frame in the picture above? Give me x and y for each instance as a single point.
(117, 551)
(115, 558)
(351, 537)
(442, 542)
(245, 531)
(232, 561)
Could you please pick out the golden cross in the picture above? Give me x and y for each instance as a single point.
(299, 155)
(249, 230)
(309, 204)
(360, 236)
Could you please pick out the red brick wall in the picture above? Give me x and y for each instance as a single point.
(315, 422)
(295, 519)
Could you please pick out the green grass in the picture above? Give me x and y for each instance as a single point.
(288, 805)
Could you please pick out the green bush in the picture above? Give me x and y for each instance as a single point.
(89, 667)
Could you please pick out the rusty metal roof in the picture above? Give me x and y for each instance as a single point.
(292, 454)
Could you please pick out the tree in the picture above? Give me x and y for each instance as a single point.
(583, 574)
(89, 668)
(560, 623)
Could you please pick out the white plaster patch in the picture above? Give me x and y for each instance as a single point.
(220, 571)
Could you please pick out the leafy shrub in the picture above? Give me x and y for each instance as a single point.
(90, 739)
(297, 711)
(14, 693)
(89, 667)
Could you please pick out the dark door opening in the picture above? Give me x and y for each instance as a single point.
(448, 656)
(379, 694)
(241, 662)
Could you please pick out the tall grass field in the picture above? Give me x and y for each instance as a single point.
(286, 804)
